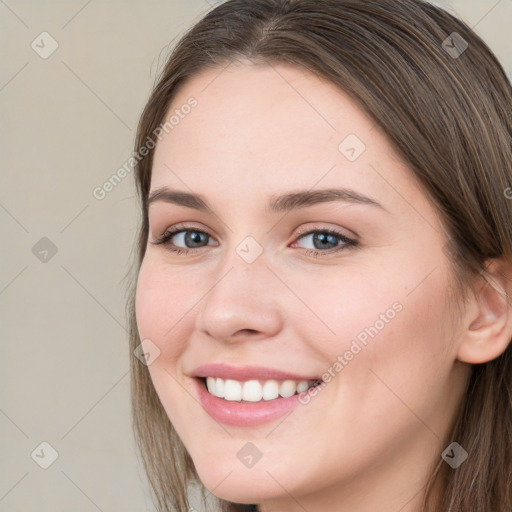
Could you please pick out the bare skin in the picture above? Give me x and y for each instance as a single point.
(368, 440)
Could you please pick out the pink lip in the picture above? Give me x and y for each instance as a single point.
(244, 414)
(245, 373)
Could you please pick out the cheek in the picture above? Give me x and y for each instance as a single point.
(353, 309)
(382, 326)
(161, 301)
(403, 354)
(161, 306)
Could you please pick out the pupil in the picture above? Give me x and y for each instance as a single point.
(325, 238)
(193, 237)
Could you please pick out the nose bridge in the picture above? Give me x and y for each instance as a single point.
(242, 297)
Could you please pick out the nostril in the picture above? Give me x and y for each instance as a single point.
(246, 333)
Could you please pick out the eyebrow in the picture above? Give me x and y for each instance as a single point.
(282, 203)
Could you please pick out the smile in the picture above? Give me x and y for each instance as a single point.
(248, 396)
(255, 390)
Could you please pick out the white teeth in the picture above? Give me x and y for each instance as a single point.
(287, 388)
(302, 386)
(210, 385)
(219, 388)
(270, 390)
(232, 390)
(254, 390)
(251, 391)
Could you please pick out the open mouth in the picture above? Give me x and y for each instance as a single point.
(256, 390)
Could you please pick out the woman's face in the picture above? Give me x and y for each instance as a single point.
(270, 293)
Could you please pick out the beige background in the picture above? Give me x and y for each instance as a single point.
(67, 124)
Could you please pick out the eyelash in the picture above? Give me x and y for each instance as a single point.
(347, 243)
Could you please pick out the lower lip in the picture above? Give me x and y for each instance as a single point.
(244, 414)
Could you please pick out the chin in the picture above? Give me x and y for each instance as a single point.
(239, 485)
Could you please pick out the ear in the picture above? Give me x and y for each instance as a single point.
(489, 317)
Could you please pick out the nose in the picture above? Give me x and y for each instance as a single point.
(243, 302)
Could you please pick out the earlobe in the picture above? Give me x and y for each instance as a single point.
(490, 318)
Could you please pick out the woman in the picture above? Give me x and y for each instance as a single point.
(324, 263)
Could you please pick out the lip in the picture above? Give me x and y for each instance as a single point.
(243, 414)
(244, 373)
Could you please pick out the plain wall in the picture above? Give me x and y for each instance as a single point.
(67, 124)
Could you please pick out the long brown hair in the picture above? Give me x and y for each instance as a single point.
(447, 109)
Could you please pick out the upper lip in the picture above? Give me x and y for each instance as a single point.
(244, 373)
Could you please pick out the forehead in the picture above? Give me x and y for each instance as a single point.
(256, 128)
